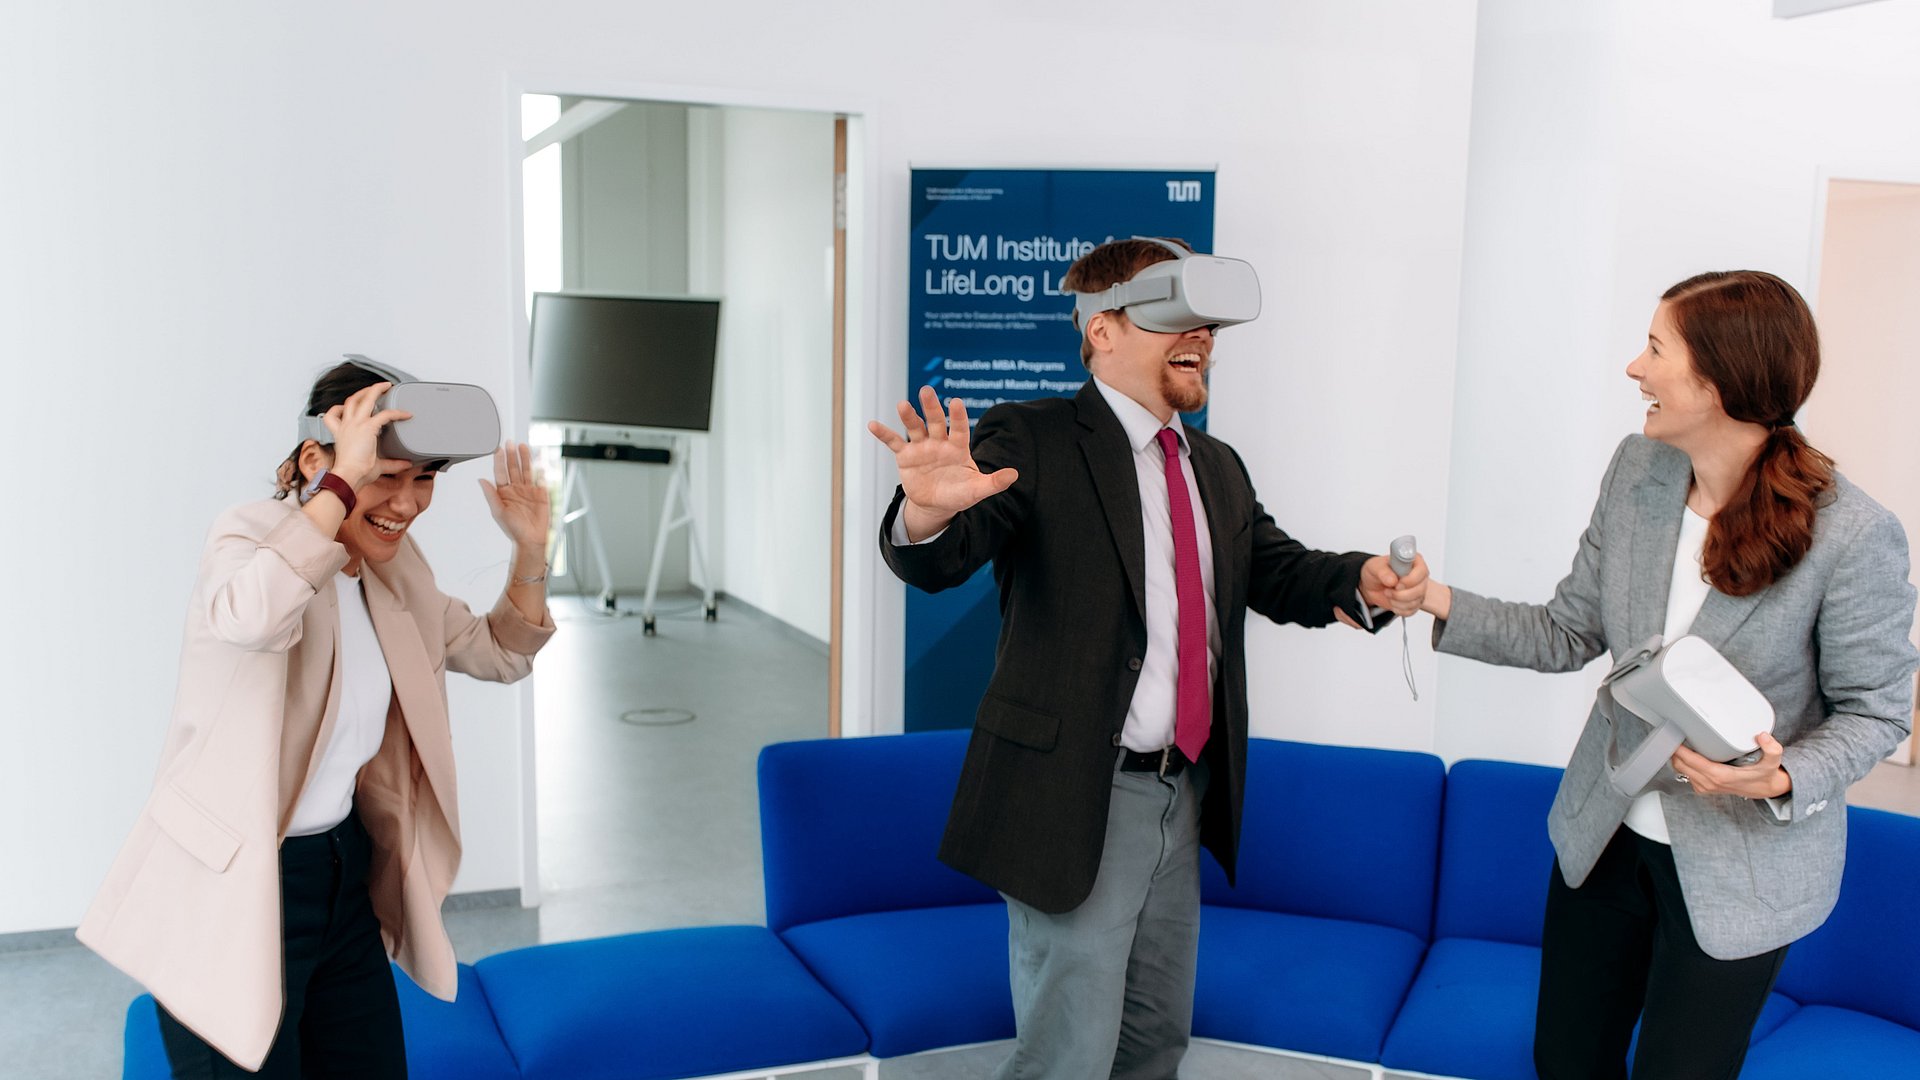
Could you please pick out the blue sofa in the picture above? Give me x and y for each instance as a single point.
(1387, 914)
(1314, 948)
(675, 1003)
(848, 835)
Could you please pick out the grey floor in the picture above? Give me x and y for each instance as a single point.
(641, 827)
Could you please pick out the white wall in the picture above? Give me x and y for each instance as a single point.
(774, 383)
(1617, 149)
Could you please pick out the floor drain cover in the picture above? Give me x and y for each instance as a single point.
(656, 717)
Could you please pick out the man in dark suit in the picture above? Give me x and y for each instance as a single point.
(1111, 742)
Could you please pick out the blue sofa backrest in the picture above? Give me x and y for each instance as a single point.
(1494, 853)
(852, 826)
(1337, 832)
(1866, 956)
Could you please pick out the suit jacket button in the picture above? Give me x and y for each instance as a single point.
(1133, 664)
(1116, 738)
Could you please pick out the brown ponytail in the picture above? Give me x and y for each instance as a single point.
(1751, 335)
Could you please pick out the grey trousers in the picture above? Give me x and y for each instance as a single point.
(1106, 990)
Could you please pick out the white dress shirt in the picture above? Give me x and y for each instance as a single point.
(1685, 595)
(1151, 713)
(365, 692)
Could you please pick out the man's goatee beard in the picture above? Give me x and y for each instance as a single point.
(1183, 398)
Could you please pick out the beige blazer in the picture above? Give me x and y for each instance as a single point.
(191, 906)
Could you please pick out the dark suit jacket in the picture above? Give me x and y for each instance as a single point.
(1069, 554)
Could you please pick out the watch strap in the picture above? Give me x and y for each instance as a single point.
(328, 481)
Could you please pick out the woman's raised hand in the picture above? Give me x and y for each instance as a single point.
(356, 436)
(518, 499)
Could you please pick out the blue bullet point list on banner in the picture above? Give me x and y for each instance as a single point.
(988, 323)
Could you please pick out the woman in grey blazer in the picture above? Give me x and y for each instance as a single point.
(1724, 523)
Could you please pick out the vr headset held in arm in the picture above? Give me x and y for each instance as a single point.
(1688, 693)
(1179, 294)
(452, 422)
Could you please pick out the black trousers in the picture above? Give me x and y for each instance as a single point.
(343, 1015)
(1621, 948)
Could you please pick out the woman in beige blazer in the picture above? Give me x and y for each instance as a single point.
(1676, 908)
(304, 823)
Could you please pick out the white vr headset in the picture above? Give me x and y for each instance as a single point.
(1692, 695)
(452, 422)
(1179, 294)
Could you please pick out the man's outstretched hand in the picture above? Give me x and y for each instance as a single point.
(936, 464)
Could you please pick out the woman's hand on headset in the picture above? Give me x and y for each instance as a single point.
(1764, 779)
(356, 437)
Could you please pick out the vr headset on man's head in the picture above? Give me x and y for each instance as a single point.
(452, 422)
(1179, 294)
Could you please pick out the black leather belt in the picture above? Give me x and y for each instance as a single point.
(1166, 762)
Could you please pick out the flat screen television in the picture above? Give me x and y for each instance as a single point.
(625, 361)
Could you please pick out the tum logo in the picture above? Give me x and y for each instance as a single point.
(1183, 191)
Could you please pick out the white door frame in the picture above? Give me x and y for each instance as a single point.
(858, 560)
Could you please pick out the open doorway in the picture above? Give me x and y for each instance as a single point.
(649, 725)
(1862, 409)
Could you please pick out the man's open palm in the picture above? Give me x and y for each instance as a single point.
(935, 460)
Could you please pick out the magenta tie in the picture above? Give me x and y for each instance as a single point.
(1193, 711)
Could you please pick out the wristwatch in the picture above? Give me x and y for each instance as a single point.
(327, 481)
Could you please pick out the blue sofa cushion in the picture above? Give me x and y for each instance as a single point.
(1820, 1040)
(1298, 982)
(672, 1003)
(918, 980)
(1865, 956)
(454, 1040)
(1495, 857)
(1337, 832)
(145, 1057)
(852, 826)
(1470, 1013)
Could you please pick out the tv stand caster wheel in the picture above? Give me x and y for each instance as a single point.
(647, 626)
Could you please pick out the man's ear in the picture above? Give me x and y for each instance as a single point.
(1100, 332)
(313, 458)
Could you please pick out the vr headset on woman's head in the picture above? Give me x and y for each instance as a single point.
(1179, 294)
(452, 422)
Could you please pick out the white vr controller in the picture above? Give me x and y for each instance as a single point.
(1400, 556)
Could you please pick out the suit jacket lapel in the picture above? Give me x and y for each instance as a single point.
(1209, 473)
(1103, 442)
(414, 687)
(1658, 503)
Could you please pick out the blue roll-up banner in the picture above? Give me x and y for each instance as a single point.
(988, 323)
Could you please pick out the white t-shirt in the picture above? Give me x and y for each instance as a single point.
(1685, 595)
(365, 692)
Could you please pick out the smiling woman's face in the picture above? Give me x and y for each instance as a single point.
(382, 513)
(1681, 405)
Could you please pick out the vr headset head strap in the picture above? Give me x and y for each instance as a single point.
(1123, 294)
(1178, 251)
(387, 372)
(315, 427)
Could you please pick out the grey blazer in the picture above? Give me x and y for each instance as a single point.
(1827, 644)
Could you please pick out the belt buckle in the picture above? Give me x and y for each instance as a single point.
(1166, 758)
